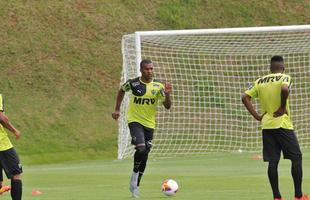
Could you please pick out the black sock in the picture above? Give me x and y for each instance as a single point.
(139, 178)
(138, 158)
(143, 166)
(16, 189)
(273, 179)
(296, 171)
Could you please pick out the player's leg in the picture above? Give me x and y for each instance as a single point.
(1, 178)
(137, 135)
(13, 169)
(3, 188)
(143, 166)
(273, 178)
(291, 150)
(139, 156)
(271, 154)
(16, 187)
(148, 135)
(296, 171)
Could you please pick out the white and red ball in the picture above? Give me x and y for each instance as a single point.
(169, 187)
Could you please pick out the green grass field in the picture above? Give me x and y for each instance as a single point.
(216, 176)
(61, 62)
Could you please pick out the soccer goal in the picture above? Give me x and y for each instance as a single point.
(209, 70)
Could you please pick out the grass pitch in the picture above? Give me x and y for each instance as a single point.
(216, 176)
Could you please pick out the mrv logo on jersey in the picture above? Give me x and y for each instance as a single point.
(142, 101)
(272, 79)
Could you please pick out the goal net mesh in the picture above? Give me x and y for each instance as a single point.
(209, 73)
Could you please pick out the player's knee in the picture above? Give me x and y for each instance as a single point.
(273, 164)
(296, 161)
(297, 158)
(141, 150)
(17, 177)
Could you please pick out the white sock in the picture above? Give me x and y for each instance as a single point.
(134, 179)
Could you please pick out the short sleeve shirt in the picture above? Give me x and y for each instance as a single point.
(143, 100)
(268, 90)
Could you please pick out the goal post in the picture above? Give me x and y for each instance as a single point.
(209, 70)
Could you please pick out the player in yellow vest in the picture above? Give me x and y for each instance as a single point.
(146, 93)
(272, 91)
(9, 161)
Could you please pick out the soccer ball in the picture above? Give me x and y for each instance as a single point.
(169, 187)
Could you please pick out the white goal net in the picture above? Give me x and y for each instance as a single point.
(209, 70)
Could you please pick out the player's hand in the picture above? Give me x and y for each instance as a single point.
(281, 111)
(168, 87)
(17, 134)
(116, 114)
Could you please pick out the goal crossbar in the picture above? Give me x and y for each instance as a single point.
(225, 30)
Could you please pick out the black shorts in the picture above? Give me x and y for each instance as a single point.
(277, 140)
(9, 162)
(140, 134)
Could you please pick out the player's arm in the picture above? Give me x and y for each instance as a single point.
(167, 102)
(246, 100)
(284, 95)
(285, 90)
(4, 120)
(119, 99)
